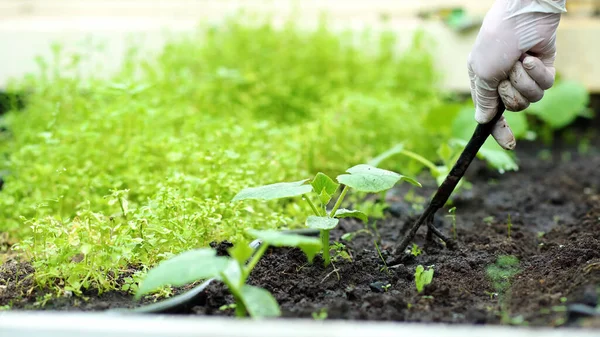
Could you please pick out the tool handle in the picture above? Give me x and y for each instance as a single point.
(482, 131)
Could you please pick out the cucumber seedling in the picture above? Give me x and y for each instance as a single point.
(362, 178)
(423, 277)
(233, 271)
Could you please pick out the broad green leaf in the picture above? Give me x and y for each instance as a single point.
(346, 213)
(183, 269)
(517, 121)
(561, 104)
(274, 191)
(241, 252)
(310, 246)
(321, 222)
(367, 178)
(259, 302)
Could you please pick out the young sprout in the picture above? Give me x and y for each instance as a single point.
(423, 277)
(452, 216)
(200, 264)
(362, 178)
(415, 250)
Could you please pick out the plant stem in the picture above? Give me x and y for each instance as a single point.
(317, 213)
(338, 203)
(240, 308)
(255, 258)
(421, 159)
(325, 242)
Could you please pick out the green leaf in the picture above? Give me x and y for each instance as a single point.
(310, 246)
(367, 178)
(423, 277)
(259, 302)
(561, 104)
(321, 222)
(274, 191)
(324, 186)
(517, 121)
(182, 269)
(346, 213)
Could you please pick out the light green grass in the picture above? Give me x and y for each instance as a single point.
(110, 175)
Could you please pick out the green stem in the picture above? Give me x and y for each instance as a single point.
(317, 213)
(338, 203)
(255, 258)
(240, 308)
(325, 242)
(421, 159)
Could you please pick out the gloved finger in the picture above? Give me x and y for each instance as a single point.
(504, 135)
(472, 81)
(543, 75)
(486, 101)
(524, 84)
(512, 98)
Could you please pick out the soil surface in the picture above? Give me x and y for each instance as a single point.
(552, 203)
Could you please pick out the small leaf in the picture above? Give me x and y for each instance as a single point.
(322, 182)
(325, 197)
(182, 269)
(423, 277)
(346, 213)
(259, 302)
(321, 222)
(310, 246)
(274, 191)
(366, 178)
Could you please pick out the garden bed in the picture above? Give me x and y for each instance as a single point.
(552, 204)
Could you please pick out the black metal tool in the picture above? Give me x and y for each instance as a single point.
(482, 132)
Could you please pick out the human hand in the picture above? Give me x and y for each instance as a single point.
(513, 59)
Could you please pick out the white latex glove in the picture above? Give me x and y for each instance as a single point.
(513, 58)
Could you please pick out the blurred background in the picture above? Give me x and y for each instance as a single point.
(28, 27)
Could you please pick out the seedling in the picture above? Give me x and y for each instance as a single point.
(362, 178)
(452, 216)
(423, 277)
(415, 250)
(320, 315)
(500, 274)
(203, 263)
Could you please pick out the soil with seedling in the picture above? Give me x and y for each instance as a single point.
(552, 204)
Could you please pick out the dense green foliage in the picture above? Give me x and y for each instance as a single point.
(110, 174)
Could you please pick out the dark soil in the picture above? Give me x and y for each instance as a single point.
(554, 206)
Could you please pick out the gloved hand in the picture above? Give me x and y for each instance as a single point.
(513, 58)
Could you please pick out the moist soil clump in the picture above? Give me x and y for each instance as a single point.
(546, 216)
